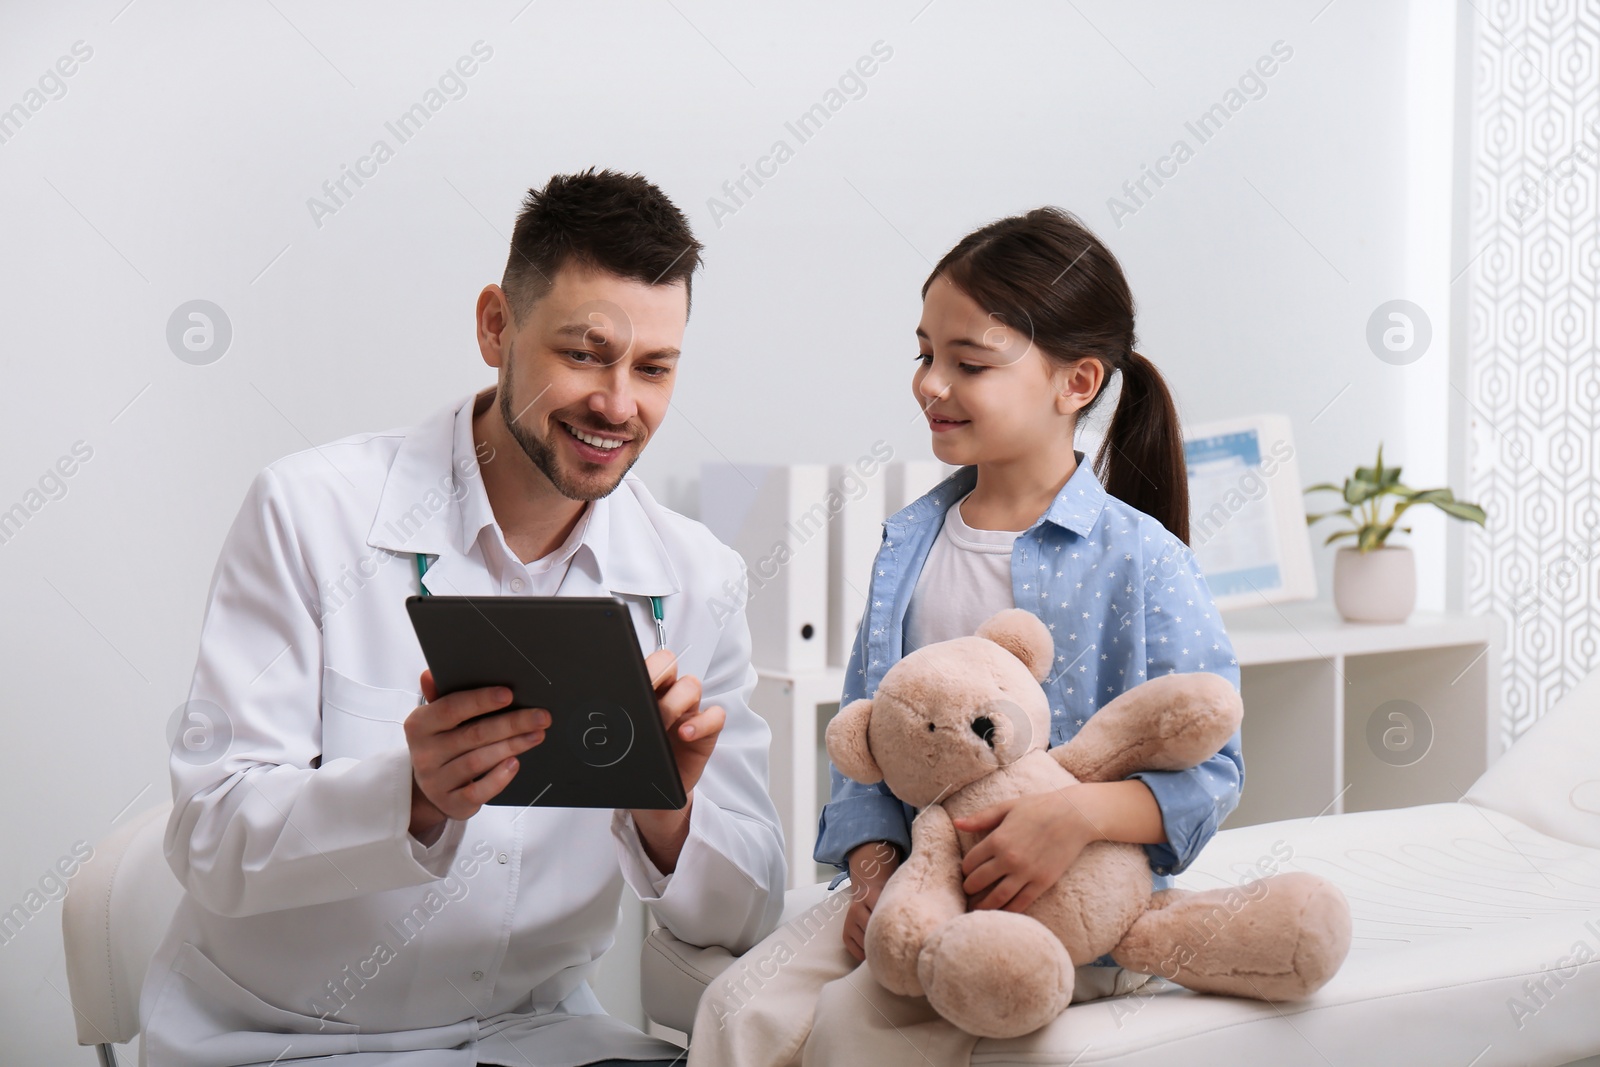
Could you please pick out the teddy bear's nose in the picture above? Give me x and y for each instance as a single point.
(983, 726)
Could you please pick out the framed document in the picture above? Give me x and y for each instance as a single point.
(1247, 516)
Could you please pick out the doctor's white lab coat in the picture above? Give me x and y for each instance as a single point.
(314, 926)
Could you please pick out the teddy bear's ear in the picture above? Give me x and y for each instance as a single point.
(847, 743)
(1020, 633)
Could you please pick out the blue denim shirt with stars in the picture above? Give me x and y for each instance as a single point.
(1124, 600)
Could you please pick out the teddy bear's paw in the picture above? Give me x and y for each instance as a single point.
(1278, 938)
(996, 973)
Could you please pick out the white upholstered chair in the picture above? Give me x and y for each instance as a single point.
(114, 916)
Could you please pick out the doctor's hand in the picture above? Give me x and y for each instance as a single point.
(457, 765)
(691, 729)
(692, 734)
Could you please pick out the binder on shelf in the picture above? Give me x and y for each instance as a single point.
(853, 540)
(776, 516)
(1247, 515)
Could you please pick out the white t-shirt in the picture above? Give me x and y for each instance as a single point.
(965, 580)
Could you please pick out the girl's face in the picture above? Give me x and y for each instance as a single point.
(988, 393)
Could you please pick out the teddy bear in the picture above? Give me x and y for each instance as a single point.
(960, 725)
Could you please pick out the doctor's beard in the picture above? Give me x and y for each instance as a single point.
(543, 452)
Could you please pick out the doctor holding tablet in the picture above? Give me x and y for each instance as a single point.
(351, 897)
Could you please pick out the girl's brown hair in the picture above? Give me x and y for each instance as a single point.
(1046, 276)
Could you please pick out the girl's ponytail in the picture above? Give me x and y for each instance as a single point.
(1046, 275)
(1141, 461)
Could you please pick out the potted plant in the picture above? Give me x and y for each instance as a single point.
(1374, 581)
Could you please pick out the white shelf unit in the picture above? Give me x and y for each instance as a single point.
(1319, 699)
(1312, 685)
(798, 706)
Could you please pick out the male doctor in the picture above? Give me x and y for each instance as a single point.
(349, 898)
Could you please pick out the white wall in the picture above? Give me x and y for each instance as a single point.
(179, 162)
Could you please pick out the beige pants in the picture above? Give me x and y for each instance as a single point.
(760, 1011)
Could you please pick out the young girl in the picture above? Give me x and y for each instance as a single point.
(1024, 323)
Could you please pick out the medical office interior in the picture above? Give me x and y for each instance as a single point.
(1349, 225)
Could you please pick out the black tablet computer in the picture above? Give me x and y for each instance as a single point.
(578, 657)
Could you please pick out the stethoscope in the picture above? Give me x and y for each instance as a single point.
(655, 603)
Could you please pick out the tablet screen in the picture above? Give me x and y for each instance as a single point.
(578, 657)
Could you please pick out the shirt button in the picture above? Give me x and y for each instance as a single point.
(477, 976)
(516, 585)
(502, 857)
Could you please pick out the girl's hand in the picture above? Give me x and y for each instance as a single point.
(1035, 839)
(871, 865)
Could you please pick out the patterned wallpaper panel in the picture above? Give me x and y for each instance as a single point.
(1533, 403)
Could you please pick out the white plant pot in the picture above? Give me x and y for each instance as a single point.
(1375, 586)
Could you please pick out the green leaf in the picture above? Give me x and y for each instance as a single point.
(1324, 486)
(1384, 476)
(1371, 474)
(1445, 501)
(1336, 536)
(1360, 490)
(1469, 512)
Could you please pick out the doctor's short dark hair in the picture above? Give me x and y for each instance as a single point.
(620, 223)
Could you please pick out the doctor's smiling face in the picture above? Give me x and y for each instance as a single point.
(586, 375)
